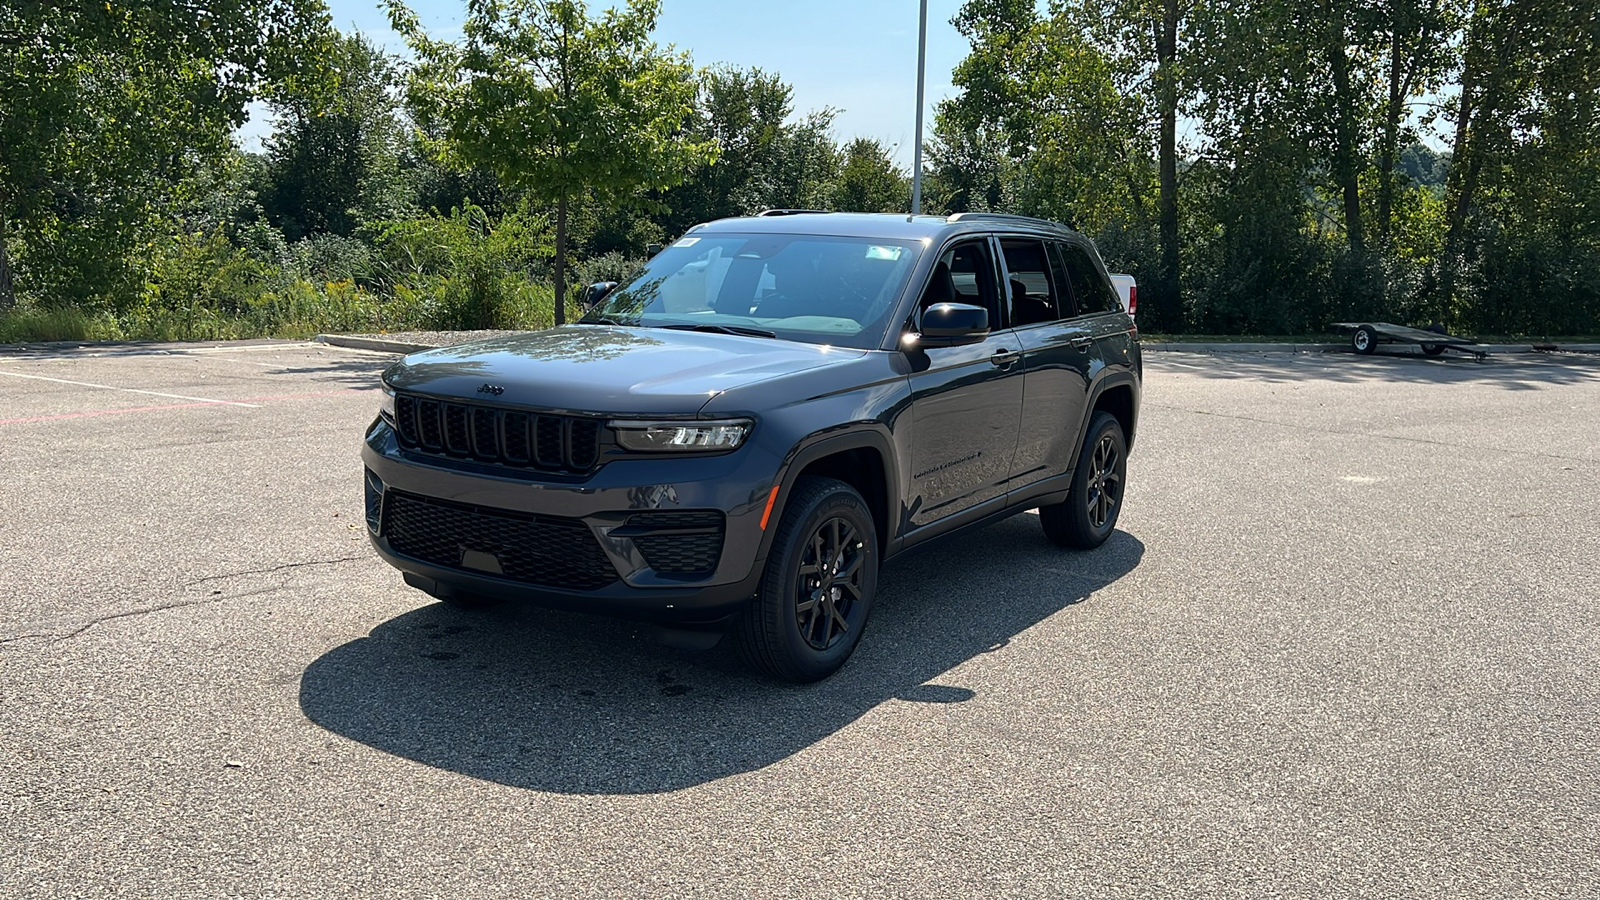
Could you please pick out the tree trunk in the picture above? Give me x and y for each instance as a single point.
(1344, 167)
(1391, 127)
(8, 295)
(1166, 58)
(561, 260)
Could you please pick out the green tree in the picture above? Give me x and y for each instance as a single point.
(105, 106)
(334, 150)
(559, 104)
(869, 181)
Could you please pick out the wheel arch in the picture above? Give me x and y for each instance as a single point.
(860, 458)
(1117, 394)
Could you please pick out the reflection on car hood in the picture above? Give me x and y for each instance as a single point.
(603, 369)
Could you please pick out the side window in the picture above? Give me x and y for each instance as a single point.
(965, 274)
(1033, 298)
(1091, 291)
(1058, 274)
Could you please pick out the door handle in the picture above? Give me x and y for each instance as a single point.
(1081, 341)
(1004, 358)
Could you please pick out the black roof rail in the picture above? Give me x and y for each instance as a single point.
(792, 212)
(1005, 217)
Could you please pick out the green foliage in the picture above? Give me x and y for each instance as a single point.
(1409, 161)
(560, 105)
(333, 157)
(869, 181)
(105, 107)
(465, 270)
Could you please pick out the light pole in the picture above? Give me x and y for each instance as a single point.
(922, 64)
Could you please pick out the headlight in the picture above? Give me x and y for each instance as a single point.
(386, 403)
(681, 437)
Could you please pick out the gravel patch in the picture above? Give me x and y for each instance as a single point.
(435, 338)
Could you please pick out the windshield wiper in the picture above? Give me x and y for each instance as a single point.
(723, 329)
(605, 320)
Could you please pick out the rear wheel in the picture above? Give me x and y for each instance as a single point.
(818, 587)
(1087, 517)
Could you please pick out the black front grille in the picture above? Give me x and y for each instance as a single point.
(540, 550)
(678, 543)
(548, 443)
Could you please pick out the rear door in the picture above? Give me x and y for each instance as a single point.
(966, 402)
(1099, 306)
(1057, 357)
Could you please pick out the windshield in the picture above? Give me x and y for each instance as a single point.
(822, 290)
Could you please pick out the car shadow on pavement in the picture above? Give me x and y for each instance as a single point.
(580, 704)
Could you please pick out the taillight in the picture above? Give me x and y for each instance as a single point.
(1133, 300)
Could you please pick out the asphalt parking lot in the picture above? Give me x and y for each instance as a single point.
(1345, 643)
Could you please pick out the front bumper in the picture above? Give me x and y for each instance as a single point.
(736, 484)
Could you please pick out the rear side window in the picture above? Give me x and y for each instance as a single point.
(1091, 291)
(1033, 297)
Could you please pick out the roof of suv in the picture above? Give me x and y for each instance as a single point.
(892, 226)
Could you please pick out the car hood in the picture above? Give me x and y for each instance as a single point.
(603, 369)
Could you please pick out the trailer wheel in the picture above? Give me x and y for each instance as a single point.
(1365, 340)
(1433, 349)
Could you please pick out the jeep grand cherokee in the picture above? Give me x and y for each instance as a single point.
(738, 437)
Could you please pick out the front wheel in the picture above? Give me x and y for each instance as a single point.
(1087, 517)
(821, 576)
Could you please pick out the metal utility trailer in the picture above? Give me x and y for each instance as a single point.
(1366, 336)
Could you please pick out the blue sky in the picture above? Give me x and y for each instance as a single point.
(858, 56)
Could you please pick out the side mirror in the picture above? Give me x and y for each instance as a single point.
(596, 292)
(651, 249)
(953, 325)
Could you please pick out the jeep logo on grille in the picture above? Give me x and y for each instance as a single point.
(494, 389)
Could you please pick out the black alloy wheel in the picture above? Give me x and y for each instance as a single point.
(829, 583)
(1105, 481)
(817, 591)
(1086, 518)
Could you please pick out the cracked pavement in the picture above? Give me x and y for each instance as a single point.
(1344, 644)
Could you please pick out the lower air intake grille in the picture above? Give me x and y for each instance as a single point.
(540, 550)
(679, 543)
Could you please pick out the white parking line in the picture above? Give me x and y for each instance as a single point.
(108, 387)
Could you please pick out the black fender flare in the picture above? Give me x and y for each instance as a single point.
(873, 435)
(1107, 381)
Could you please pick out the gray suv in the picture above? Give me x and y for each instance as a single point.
(736, 439)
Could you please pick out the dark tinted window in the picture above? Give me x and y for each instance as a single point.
(1033, 297)
(1058, 272)
(965, 274)
(1091, 291)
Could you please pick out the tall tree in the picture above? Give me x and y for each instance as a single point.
(334, 150)
(559, 104)
(869, 181)
(1144, 40)
(104, 106)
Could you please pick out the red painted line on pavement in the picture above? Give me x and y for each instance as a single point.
(139, 409)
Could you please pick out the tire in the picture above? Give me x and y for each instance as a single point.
(1087, 517)
(1432, 349)
(807, 617)
(1365, 339)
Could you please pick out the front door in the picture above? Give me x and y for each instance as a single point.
(966, 402)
